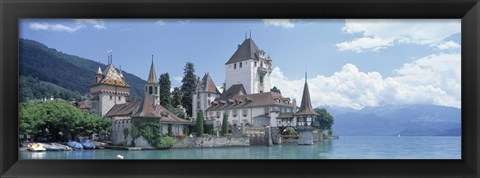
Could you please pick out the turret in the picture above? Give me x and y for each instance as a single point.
(152, 87)
(99, 75)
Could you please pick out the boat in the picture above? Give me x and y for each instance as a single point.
(50, 147)
(75, 145)
(66, 148)
(87, 144)
(36, 147)
(99, 145)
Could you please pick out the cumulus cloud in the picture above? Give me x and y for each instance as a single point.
(55, 27)
(449, 45)
(433, 79)
(177, 78)
(284, 23)
(97, 24)
(382, 33)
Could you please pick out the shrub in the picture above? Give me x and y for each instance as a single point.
(165, 142)
(290, 131)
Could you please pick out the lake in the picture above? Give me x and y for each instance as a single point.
(347, 147)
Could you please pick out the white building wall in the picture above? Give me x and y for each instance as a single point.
(105, 103)
(239, 75)
(194, 105)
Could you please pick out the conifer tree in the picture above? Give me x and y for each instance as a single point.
(176, 97)
(188, 86)
(224, 124)
(165, 86)
(199, 123)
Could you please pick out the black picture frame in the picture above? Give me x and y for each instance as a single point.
(467, 10)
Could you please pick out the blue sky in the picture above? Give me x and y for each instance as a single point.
(350, 63)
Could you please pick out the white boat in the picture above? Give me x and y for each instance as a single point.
(35, 147)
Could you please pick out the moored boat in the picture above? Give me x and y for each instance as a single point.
(66, 148)
(99, 145)
(87, 144)
(75, 145)
(36, 147)
(50, 147)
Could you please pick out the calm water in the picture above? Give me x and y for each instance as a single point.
(347, 147)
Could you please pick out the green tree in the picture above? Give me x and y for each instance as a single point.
(199, 123)
(275, 89)
(224, 124)
(176, 97)
(188, 86)
(290, 131)
(165, 86)
(48, 119)
(324, 118)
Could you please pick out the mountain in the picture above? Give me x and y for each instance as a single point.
(71, 73)
(407, 120)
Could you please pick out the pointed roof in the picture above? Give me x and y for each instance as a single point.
(306, 105)
(208, 85)
(111, 77)
(234, 90)
(148, 110)
(99, 71)
(152, 77)
(247, 50)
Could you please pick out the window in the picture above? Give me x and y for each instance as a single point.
(234, 66)
(261, 79)
(111, 97)
(209, 95)
(255, 64)
(245, 113)
(240, 65)
(150, 90)
(267, 110)
(156, 90)
(208, 104)
(119, 98)
(234, 113)
(218, 114)
(146, 89)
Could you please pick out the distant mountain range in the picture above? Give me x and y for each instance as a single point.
(391, 120)
(69, 75)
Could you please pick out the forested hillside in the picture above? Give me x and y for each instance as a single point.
(67, 75)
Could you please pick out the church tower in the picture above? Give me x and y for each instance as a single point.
(108, 89)
(152, 87)
(250, 67)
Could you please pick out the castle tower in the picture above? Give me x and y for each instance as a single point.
(250, 67)
(152, 87)
(305, 117)
(109, 89)
(205, 92)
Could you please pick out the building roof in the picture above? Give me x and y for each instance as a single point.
(125, 109)
(233, 91)
(112, 77)
(85, 104)
(236, 101)
(306, 105)
(286, 115)
(148, 110)
(207, 84)
(152, 76)
(247, 50)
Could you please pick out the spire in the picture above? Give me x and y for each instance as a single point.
(152, 77)
(99, 71)
(120, 71)
(306, 105)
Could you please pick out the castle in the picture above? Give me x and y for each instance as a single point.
(111, 95)
(247, 99)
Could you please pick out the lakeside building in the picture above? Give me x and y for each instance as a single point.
(110, 98)
(246, 98)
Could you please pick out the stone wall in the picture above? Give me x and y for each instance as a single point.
(317, 136)
(210, 142)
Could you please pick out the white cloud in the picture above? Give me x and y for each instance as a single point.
(55, 27)
(97, 24)
(382, 33)
(160, 22)
(433, 79)
(449, 45)
(177, 78)
(284, 23)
